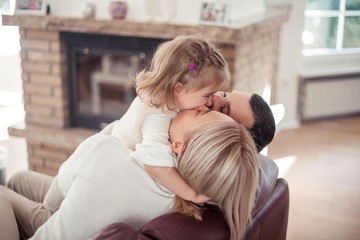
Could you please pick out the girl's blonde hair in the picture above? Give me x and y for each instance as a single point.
(174, 61)
(221, 161)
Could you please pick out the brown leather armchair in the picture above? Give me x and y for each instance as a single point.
(270, 217)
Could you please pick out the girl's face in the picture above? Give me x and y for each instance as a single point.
(193, 99)
(188, 98)
(188, 120)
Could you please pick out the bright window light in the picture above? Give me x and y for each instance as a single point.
(331, 26)
(9, 40)
(308, 38)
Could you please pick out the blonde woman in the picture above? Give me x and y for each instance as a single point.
(217, 158)
(184, 73)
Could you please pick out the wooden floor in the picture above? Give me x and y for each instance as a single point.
(321, 162)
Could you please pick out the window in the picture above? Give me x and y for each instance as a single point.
(331, 26)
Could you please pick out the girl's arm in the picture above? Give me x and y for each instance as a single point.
(158, 159)
(170, 178)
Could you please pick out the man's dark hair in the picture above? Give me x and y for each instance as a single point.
(263, 130)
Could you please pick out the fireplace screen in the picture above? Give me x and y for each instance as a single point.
(101, 70)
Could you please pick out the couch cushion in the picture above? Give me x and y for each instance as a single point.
(267, 180)
(174, 226)
(118, 231)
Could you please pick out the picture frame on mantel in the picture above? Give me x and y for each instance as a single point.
(214, 13)
(32, 7)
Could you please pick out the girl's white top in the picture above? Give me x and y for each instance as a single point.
(152, 148)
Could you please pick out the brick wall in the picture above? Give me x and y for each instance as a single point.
(45, 96)
(256, 59)
(44, 71)
(46, 158)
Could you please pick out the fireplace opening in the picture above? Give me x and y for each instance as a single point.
(99, 75)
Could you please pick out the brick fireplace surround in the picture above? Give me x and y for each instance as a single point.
(250, 47)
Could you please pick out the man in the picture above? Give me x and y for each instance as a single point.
(251, 110)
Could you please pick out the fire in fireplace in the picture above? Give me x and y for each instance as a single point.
(99, 75)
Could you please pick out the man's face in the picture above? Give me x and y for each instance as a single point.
(234, 104)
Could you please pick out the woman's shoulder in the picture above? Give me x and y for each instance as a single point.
(102, 143)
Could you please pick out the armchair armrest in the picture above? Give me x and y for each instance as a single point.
(121, 231)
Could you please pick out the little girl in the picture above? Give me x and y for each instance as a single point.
(183, 74)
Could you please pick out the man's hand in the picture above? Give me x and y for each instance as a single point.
(219, 103)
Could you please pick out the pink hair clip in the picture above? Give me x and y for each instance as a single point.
(192, 67)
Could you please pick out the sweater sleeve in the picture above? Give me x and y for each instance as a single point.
(77, 217)
(155, 148)
(91, 199)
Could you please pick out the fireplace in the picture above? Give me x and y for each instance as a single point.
(100, 71)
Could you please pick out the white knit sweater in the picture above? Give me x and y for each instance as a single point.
(102, 186)
(128, 128)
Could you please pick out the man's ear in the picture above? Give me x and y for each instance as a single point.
(177, 89)
(176, 147)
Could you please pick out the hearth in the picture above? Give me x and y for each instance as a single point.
(100, 71)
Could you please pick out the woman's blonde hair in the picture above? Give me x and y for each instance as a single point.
(220, 160)
(184, 59)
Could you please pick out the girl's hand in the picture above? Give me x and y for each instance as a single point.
(200, 198)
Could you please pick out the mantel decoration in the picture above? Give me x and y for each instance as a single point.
(214, 13)
(118, 9)
(34, 7)
(89, 10)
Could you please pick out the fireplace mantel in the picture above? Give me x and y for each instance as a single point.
(229, 35)
(250, 46)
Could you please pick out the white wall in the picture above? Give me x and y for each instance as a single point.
(10, 69)
(186, 11)
(10, 73)
(290, 62)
